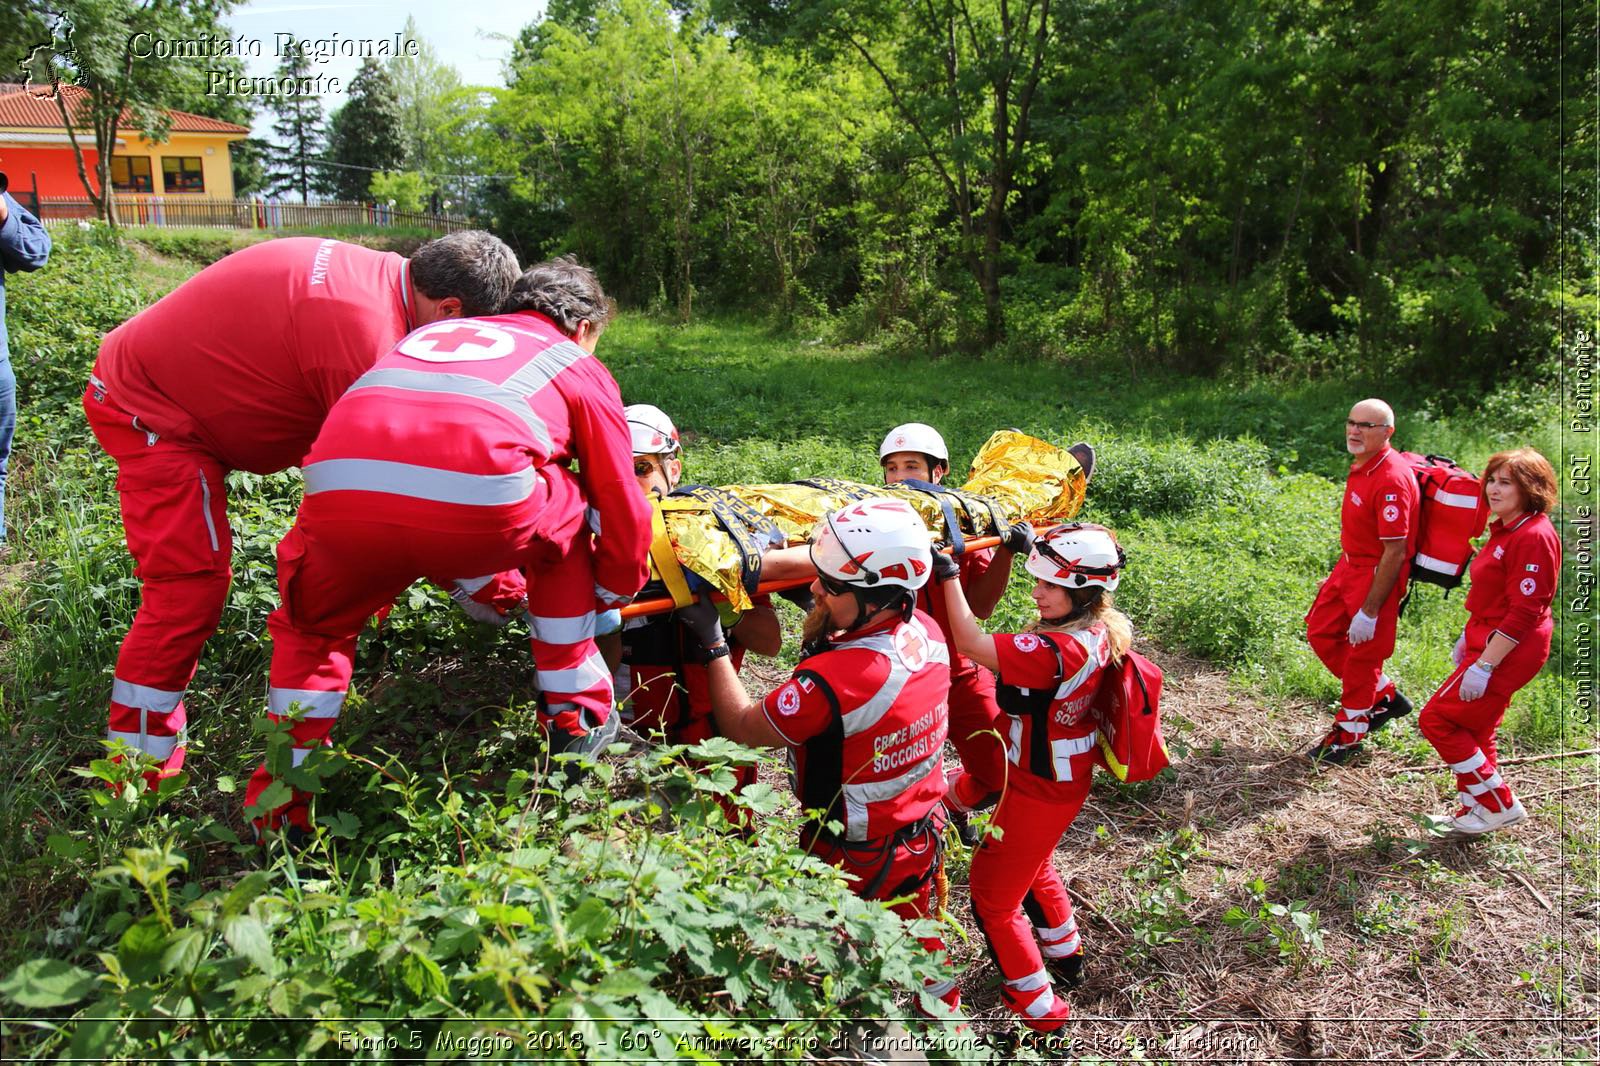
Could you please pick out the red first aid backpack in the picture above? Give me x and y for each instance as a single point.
(1453, 513)
(1129, 705)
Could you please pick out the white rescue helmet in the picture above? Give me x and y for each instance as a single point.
(915, 437)
(651, 431)
(1078, 555)
(873, 543)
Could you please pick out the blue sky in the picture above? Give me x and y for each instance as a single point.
(460, 31)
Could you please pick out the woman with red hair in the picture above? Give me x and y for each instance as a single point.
(1507, 638)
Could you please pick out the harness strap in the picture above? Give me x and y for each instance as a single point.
(751, 531)
(666, 559)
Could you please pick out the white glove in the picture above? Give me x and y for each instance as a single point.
(1362, 627)
(1459, 652)
(607, 621)
(1473, 682)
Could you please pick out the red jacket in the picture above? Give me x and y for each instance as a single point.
(1381, 502)
(1514, 579)
(866, 721)
(449, 430)
(244, 359)
(1047, 685)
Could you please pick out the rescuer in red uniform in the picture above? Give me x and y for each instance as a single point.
(864, 717)
(915, 453)
(1048, 678)
(1507, 639)
(236, 370)
(1351, 623)
(663, 678)
(452, 456)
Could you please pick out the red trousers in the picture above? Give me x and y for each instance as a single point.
(334, 573)
(976, 735)
(1359, 666)
(1463, 731)
(1013, 872)
(911, 868)
(174, 517)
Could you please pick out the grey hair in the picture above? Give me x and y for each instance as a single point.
(564, 291)
(472, 265)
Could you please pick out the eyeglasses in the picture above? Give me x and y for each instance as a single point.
(644, 467)
(1351, 423)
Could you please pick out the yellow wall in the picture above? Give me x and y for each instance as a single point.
(216, 166)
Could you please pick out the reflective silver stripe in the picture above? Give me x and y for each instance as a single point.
(605, 595)
(1055, 933)
(1062, 751)
(458, 385)
(420, 482)
(163, 701)
(469, 585)
(1062, 949)
(591, 672)
(1031, 983)
(1471, 803)
(542, 368)
(1457, 499)
(205, 510)
(1470, 763)
(1043, 1005)
(939, 989)
(1014, 743)
(478, 612)
(298, 755)
(313, 704)
(858, 795)
(155, 747)
(1356, 726)
(1492, 782)
(1438, 566)
(1091, 642)
(872, 711)
(562, 630)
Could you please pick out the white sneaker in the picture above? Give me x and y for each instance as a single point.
(1479, 820)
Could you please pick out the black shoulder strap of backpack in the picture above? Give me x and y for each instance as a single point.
(1034, 705)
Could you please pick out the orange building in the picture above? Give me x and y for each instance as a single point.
(35, 151)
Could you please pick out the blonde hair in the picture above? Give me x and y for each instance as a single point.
(1119, 630)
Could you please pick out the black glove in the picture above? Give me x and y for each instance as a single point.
(945, 567)
(703, 620)
(801, 597)
(1018, 540)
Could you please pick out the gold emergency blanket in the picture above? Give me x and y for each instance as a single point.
(1014, 476)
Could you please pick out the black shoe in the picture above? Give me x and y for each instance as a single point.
(568, 771)
(1083, 451)
(1333, 752)
(1388, 709)
(1067, 970)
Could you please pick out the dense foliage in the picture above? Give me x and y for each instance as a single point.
(446, 888)
(1262, 185)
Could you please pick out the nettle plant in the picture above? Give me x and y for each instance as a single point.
(622, 919)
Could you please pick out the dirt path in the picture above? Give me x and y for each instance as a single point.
(1430, 950)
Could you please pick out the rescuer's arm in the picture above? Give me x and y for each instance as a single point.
(970, 640)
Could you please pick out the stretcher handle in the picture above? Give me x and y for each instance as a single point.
(658, 606)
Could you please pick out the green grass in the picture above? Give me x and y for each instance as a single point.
(1225, 494)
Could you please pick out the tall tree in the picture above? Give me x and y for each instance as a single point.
(94, 48)
(433, 105)
(962, 76)
(364, 135)
(299, 130)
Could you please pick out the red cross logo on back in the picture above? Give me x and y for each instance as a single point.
(457, 342)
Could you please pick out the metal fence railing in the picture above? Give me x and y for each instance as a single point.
(246, 214)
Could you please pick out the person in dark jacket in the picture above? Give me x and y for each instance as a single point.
(24, 245)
